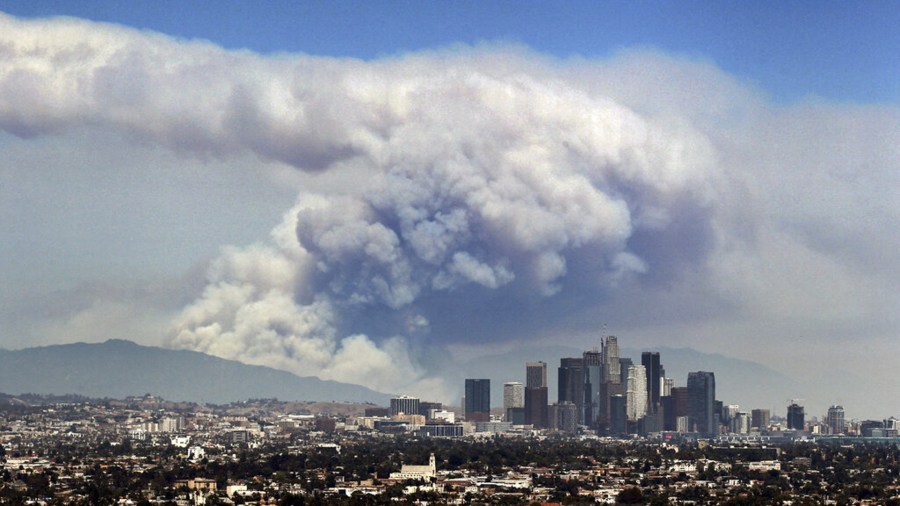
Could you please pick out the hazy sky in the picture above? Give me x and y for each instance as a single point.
(363, 191)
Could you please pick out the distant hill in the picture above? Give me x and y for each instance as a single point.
(118, 369)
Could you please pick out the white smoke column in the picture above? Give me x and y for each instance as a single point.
(482, 171)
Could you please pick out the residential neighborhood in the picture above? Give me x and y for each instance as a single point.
(145, 450)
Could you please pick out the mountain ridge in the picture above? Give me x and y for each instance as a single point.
(117, 368)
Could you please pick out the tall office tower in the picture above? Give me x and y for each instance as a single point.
(404, 404)
(535, 374)
(650, 361)
(636, 393)
(795, 417)
(592, 372)
(701, 387)
(611, 360)
(607, 390)
(624, 364)
(759, 418)
(570, 384)
(513, 395)
(478, 400)
(835, 419)
(564, 417)
(618, 415)
(536, 394)
(666, 385)
(677, 407)
(536, 408)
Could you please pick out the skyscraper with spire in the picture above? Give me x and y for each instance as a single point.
(611, 368)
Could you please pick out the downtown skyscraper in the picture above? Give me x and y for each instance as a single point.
(701, 390)
(592, 371)
(478, 400)
(536, 394)
(650, 361)
(636, 393)
(611, 367)
(514, 402)
(570, 384)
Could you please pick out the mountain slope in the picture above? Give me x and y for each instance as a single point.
(118, 368)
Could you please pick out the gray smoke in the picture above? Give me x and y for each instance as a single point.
(473, 178)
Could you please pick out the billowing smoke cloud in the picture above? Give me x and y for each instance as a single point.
(472, 176)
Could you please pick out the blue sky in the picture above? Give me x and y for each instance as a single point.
(844, 51)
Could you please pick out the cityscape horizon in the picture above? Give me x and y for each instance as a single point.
(365, 199)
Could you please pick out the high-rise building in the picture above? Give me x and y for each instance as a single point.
(564, 417)
(675, 406)
(624, 364)
(667, 385)
(516, 416)
(592, 372)
(535, 374)
(650, 361)
(618, 416)
(759, 418)
(570, 384)
(795, 417)
(536, 409)
(513, 395)
(478, 400)
(701, 387)
(404, 405)
(611, 366)
(536, 394)
(607, 390)
(636, 393)
(835, 419)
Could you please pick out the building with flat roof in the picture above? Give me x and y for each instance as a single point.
(701, 387)
(478, 400)
(404, 405)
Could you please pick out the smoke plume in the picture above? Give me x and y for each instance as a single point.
(470, 177)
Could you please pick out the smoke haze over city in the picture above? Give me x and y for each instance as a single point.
(380, 220)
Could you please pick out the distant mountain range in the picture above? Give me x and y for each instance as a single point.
(118, 369)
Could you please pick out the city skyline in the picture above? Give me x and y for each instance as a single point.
(382, 197)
